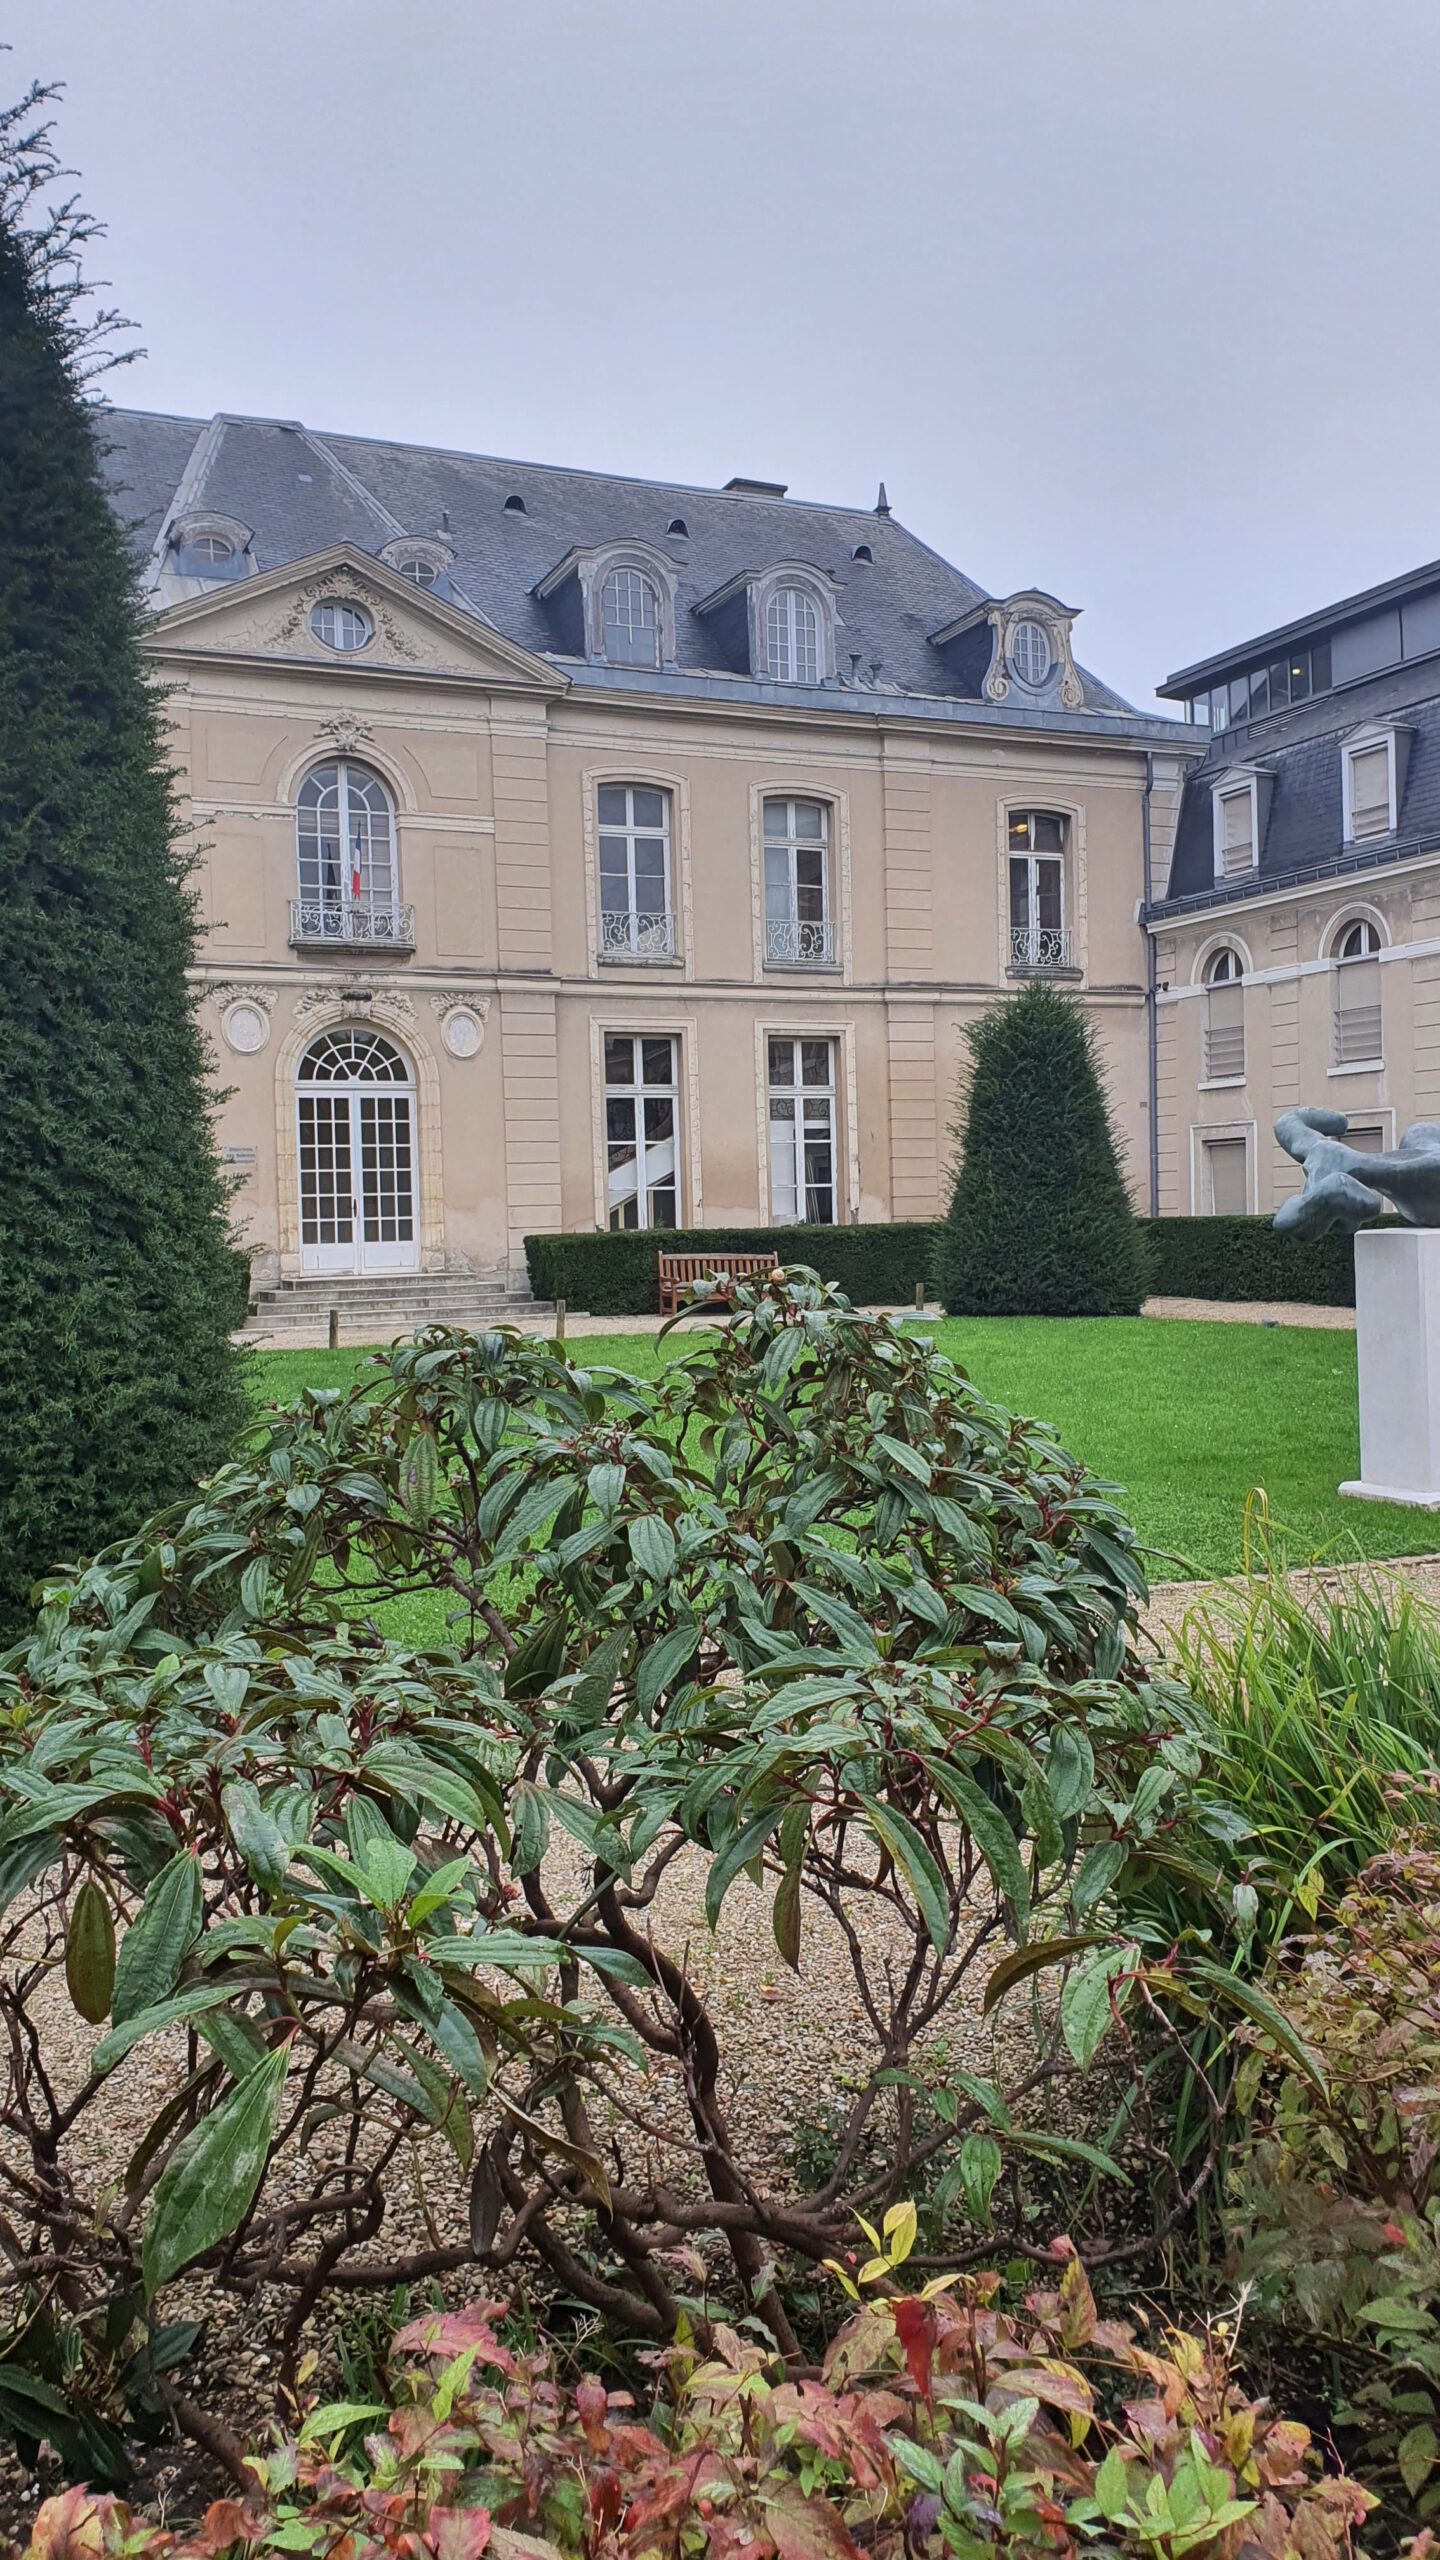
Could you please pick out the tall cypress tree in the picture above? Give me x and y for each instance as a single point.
(1040, 1223)
(118, 1382)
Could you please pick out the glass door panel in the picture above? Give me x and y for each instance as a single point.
(327, 1199)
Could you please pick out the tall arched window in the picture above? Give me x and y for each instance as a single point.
(355, 1127)
(1224, 1017)
(345, 856)
(1356, 953)
(630, 620)
(792, 638)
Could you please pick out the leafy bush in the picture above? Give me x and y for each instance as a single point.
(616, 1275)
(1336, 2205)
(1245, 1258)
(1040, 1223)
(805, 1607)
(940, 2425)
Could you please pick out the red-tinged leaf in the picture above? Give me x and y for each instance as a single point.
(458, 2533)
(447, 2334)
(916, 2328)
(591, 2400)
(1058, 2385)
(225, 2521)
(808, 2528)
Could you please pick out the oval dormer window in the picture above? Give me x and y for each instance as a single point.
(341, 625)
(1030, 652)
(211, 546)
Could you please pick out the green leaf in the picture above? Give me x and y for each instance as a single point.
(606, 1486)
(112, 2048)
(1085, 2001)
(210, 2178)
(1027, 1960)
(158, 1939)
(1070, 1770)
(785, 1912)
(979, 2169)
(1067, 2146)
(740, 1848)
(529, 1827)
(1258, 2006)
(1096, 1873)
(1111, 2489)
(258, 1837)
(1416, 2454)
(652, 1546)
(990, 1831)
(916, 1864)
(660, 1662)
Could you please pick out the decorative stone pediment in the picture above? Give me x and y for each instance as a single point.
(1029, 654)
(411, 631)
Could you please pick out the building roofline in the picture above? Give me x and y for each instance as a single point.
(1204, 670)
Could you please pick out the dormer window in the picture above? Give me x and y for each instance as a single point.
(630, 620)
(212, 546)
(421, 573)
(422, 559)
(1030, 653)
(1239, 803)
(792, 638)
(1369, 785)
(205, 545)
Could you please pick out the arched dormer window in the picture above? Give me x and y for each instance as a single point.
(345, 861)
(792, 637)
(1355, 951)
(629, 619)
(1224, 1017)
(205, 545)
(422, 559)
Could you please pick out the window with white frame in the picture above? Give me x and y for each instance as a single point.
(1236, 849)
(1357, 993)
(801, 1080)
(792, 638)
(636, 921)
(799, 930)
(630, 619)
(1039, 938)
(341, 626)
(1030, 652)
(345, 859)
(642, 1114)
(1226, 1177)
(1224, 1017)
(1369, 790)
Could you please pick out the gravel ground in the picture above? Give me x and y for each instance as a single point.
(579, 1326)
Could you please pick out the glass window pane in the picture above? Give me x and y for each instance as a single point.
(810, 819)
(1220, 707)
(1239, 697)
(650, 876)
(1259, 692)
(611, 804)
(657, 1062)
(1048, 895)
(782, 1062)
(1019, 890)
(649, 808)
(1279, 684)
(1298, 672)
(815, 1062)
(619, 1059)
(620, 1120)
(777, 817)
(1320, 667)
(1049, 832)
(1019, 830)
(659, 1117)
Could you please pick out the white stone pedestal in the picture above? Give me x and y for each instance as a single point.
(1397, 1330)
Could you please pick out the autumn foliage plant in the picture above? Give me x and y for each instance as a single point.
(361, 1921)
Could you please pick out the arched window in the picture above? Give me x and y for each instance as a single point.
(1030, 652)
(792, 638)
(341, 625)
(420, 572)
(345, 855)
(799, 931)
(355, 1127)
(1224, 1017)
(1356, 953)
(630, 620)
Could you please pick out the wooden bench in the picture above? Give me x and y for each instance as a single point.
(681, 1271)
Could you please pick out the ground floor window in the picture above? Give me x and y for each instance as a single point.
(1227, 1193)
(802, 1131)
(641, 1121)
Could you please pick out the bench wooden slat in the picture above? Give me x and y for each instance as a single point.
(679, 1271)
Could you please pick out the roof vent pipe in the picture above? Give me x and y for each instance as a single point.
(882, 503)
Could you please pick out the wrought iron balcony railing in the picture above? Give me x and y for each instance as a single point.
(1040, 946)
(629, 935)
(792, 942)
(376, 922)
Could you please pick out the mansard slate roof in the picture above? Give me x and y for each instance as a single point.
(301, 492)
(1300, 750)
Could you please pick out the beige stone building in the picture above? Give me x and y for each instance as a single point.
(1297, 931)
(582, 852)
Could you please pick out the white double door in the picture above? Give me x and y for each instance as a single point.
(357, 1179)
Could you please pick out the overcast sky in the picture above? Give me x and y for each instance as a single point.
(1129, 299)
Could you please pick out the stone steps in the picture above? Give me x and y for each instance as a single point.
(376, 1309)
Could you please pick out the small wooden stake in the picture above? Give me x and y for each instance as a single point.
(559, 1319)
(919, 1297)
(334, 1328)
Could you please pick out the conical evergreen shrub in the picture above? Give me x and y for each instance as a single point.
(1040, 1223)
(118, 1382)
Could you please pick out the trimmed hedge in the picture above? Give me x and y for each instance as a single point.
(615, 1275)
(1244, 1258)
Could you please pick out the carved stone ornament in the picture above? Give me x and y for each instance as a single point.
(462, 1022)
(1062, 683)
(338, 587)
(346, 737)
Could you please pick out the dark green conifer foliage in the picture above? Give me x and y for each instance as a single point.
(118, 1383)
(1040, 1223)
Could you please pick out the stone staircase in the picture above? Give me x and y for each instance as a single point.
(376, 1309)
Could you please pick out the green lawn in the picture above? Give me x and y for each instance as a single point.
(1186, 1417)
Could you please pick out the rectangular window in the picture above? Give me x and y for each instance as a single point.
(641, 1130)
(1279, 684)
(1220, 707)
(634, 842)
(801, 1075)
(1320, 667)
(1239, 697)
(1370, 791)
(1366, 1141)
(1357, 1012)
(1259, 693)
(1226, 1190)
(799, 932)
(1237, 832)
(1038, 938)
